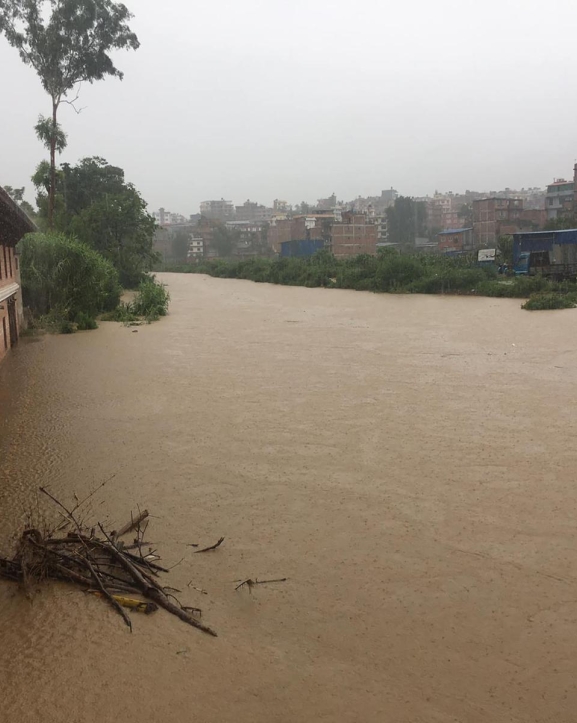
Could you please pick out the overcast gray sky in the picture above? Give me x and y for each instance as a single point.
(295, 99)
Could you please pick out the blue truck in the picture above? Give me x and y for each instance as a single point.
(546, 253)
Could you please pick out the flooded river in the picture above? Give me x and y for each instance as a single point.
(407, 462)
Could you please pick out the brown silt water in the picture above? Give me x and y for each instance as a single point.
(407, 462)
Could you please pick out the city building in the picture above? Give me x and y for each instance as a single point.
(355, 234)
(217, 210)
(14, 224)
(456, 240)
(389, 197)
(251, 211)
(195, 248)
(252, 238)
(309, 227)
(560, 198)
(382, 224)
(493, 217)
(167, 218)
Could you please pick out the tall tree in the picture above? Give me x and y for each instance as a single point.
(94, 203)
(180, 245)
(224, 240)
(406, 220)
(17, 195)
(66, 42)
(465, 213)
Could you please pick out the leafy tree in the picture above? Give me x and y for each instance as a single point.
(120, 229)
(465, 213)
(224, 240)
(406, 220)
(180, 245)
(505, 248)
(95, 204)
(66, 42)
(561, 223)
(17, 195)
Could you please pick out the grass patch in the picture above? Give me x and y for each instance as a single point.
(551, 300)
(150, 303)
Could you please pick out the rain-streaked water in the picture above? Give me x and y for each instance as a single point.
(407, 462)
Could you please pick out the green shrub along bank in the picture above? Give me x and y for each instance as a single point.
(65, 283)
(393, 272)
(150, 303)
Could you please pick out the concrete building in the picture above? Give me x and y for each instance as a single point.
(356, 234)
(382, 224)
(309, 227)
(217, 210)
(251, 211)
(14, 224)
(195, 248)
(252, 238)
(167, 218)
(457, 240)
(493, 217)
(388, 197)
(560, 198)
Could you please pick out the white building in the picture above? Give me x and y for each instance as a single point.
(195, 248)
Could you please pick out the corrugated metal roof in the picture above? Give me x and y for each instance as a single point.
(454, 231)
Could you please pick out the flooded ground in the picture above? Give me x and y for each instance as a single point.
(407, 462)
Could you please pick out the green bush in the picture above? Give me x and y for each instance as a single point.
(66, 327)
(63, 278)
(123, 312)
(84, 322)
(151, 300)
(389, 271)
(551, 300)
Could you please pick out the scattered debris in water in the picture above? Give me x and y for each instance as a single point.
(98, 561)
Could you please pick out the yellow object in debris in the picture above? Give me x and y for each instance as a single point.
(132, 603)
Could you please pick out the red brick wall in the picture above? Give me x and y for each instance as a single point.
(358, 237)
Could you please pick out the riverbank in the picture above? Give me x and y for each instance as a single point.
(392, 272)
(405, 460)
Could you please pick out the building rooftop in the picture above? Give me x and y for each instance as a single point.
(454, 230)
(14, 223)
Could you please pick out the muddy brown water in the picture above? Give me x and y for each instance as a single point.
(408, 462)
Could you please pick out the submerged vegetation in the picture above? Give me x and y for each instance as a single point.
(66, 285)
(149, 304)
(393, 272)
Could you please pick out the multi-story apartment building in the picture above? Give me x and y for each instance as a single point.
(493, 217)
(309, 227)
(560, 198)
(217, 210)
(195, 248)
(167, 218)
(356, 234)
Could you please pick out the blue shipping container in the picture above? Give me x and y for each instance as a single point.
(306, 247)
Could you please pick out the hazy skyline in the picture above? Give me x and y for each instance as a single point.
(267, 99)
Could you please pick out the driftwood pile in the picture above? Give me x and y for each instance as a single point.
(101, 563)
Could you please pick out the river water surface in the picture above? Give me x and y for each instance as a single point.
(408, 462)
